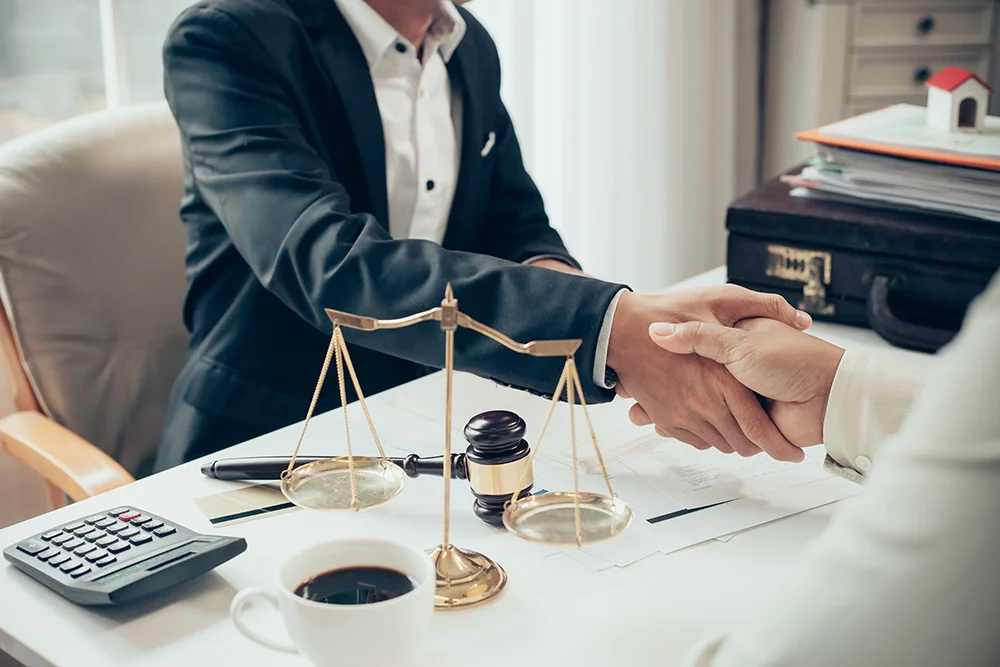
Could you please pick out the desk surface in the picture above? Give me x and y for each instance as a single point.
(647, 614)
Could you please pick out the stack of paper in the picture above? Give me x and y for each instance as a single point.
(892, 158)
(682, 496)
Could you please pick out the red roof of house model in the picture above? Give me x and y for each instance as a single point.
(951, 78)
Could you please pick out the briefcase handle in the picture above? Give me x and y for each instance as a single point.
(896, 331)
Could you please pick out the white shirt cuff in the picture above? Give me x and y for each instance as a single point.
(868, 400)
(601, 356)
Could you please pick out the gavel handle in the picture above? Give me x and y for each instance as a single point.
(269, 468)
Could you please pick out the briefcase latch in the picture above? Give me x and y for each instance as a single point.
(812, 268)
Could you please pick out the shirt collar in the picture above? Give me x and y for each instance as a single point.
(376, 36)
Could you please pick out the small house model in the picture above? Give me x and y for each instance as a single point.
(956, 101)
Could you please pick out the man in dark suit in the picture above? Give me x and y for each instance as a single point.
(356, 155)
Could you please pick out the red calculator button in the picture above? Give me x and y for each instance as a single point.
(128, 516)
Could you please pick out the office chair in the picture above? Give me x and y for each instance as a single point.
(92, 284)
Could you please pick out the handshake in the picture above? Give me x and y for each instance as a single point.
(723, 367)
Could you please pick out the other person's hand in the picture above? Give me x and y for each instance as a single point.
(791, 368)
(689, 397)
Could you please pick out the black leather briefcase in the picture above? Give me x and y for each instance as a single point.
(909, 276)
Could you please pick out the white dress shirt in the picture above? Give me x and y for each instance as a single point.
(422, 124)
(421, 118)
(906, 573)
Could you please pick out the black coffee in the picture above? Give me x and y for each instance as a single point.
(356, 585)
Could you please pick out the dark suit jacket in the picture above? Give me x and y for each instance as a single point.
(286, 214)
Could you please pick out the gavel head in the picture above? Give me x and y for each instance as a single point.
(497, 462)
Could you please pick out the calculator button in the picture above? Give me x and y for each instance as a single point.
(70, 565)
(164, 531)
(117, 528)
(73, 526)
(105, 522)
(76, 574)
(128, 516)
(141, 539)
(119, 547)
(32, 547)
(94, 536)
(107, 560)
(72, 544)
(152, 525)
(84, 530)
(94, 519)
(96, 555)
(62, 539)
(131, 532)
(141, 519)
(52, 533)
(84, 549)
(106, 540)
(47, 554)
(56, 561)
(119, 510)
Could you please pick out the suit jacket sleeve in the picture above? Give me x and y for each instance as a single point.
(290, 219)
(905, 574)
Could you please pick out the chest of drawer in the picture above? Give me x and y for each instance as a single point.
(892, 75)
(923, 24)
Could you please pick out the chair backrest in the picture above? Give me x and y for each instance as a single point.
(92, 272)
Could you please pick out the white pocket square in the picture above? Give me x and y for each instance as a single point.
(490, 140)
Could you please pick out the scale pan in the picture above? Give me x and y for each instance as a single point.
(326, 484)
(550, 518)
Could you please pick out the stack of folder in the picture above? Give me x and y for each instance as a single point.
(890, 158)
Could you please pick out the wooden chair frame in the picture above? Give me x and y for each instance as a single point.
(69, 465)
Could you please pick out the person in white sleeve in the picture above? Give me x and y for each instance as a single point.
(908, 572)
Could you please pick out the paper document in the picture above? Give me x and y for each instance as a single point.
(695, 478)
(906, 125)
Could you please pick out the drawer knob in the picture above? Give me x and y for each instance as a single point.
(925, 25)
(921, 75)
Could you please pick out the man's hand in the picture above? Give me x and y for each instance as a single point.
(556, 265)
(689, 397)
(793, 369)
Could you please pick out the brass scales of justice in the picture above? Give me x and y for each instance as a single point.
(464, 578)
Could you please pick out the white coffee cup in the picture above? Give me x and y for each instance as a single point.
(378, 634)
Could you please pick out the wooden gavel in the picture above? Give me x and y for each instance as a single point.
(495, 464)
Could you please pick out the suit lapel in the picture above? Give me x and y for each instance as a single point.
(345, 65)
(461, 68)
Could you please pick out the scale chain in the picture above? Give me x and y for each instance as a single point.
(361, 397)
(538, 443)
(312, 405)
(590, 427)
(338, 334)
(572, 438)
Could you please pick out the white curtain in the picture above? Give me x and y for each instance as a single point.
(638, 121)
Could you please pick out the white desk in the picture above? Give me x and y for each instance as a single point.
(554, 612)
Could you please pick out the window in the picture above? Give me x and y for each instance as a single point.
(58, 57)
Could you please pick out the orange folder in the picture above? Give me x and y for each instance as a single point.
(901, 151)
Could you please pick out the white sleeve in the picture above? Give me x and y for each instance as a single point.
(905, 574)
(868, 401)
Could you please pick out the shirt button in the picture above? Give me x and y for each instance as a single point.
(401, 47)
(863, 464)
(430, 185)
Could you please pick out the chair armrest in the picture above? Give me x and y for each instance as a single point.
(64, 459)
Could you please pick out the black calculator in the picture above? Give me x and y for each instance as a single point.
(119, 556)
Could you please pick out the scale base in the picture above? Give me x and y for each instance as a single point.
(465, 578)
